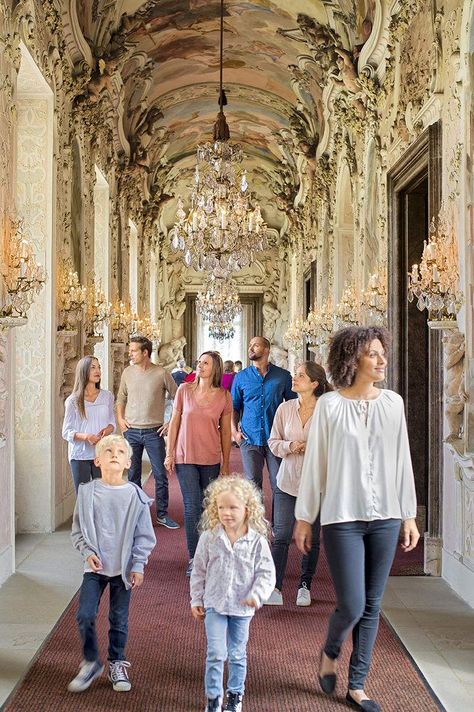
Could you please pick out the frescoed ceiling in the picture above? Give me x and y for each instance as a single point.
(167, 55)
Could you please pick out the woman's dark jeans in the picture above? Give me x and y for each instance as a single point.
(283, 525)
(193, 480)
(360, 555)
(93, 586)
(83, 471)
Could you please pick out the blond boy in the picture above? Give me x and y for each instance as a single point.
(113, 531)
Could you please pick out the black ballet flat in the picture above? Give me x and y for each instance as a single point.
(365, 705)
(327, 682)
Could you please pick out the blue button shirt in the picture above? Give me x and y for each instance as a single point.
(257, 397)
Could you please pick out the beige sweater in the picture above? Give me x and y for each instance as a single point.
(143, 393)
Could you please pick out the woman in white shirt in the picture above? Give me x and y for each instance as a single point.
(88, 417)
(288, 442)
(357, 475)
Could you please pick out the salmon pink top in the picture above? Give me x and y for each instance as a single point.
(199, 441)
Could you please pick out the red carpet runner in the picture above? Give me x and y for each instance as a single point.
(167, 650)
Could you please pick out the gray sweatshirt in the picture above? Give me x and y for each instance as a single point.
(138, 539)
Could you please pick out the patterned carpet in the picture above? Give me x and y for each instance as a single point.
(167, 649)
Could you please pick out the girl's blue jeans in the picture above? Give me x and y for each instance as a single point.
(227, 637)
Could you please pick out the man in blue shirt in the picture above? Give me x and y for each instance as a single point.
(257, 392)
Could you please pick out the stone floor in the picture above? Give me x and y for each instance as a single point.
(434, 624)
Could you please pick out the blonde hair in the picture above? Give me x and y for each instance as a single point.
(245, 491)
(109, 440)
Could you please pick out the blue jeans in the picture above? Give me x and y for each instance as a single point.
(193, 480)
(226, 636)
(253, 460)
(283, 525)
(83, 471)
(154, 444)
(92, 588)
(360, 555)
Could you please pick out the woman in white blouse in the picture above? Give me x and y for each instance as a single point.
(88, 417)
(288, 442)
(357, 475)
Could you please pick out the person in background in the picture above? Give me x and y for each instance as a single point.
(233, 575)
(257, 392)
(237, 366)
(357, 474)
(140, 415)
(288, 441)
(228, 375)
(179, 373)
(191, 377)
(88, 417)
(198, 444)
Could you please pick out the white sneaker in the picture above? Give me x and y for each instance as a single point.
(276, 598)
(304, 596)
(88, 672)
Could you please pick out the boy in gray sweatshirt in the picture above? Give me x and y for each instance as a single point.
(113, 531)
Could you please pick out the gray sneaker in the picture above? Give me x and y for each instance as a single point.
(88, 672)
(118, 675)
(214, 705)
(167, 522)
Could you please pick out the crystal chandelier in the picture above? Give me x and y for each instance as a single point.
(221, 330)
(23, 277)
(219, 305)
(221, 232)
(434, 283)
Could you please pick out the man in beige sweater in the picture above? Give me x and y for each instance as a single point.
(140, 415)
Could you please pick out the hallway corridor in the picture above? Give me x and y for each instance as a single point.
(167, 647)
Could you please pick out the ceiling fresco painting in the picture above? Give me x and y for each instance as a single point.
(277, 56)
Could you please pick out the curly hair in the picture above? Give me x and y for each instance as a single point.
(347, 346)
(245, 491)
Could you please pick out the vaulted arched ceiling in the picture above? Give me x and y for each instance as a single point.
(167, 55)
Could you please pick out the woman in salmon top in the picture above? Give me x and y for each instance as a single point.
(199, 440)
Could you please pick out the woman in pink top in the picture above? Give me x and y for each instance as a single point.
(288, 441)
(199, 440)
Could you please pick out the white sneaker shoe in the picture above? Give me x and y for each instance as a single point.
(304, 596)
(88, 672)
(276, 598)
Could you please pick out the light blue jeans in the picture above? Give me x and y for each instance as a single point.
(227, 636)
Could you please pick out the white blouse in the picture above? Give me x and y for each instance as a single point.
(99, 415)
(357, 465)
(287, 428)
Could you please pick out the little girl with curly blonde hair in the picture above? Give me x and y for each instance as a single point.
(233, 575)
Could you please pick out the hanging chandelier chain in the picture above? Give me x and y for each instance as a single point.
(221, 61)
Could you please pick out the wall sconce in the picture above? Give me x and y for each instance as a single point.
(98, 311)
(374, 298)
(22, 276)
(294, 335)
(71, 297)
(434, 283)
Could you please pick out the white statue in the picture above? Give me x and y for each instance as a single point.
(171, 352)
(455, 395)
(279, 356)
(271, 315)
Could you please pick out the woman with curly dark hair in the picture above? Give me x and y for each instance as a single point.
(357, 475)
